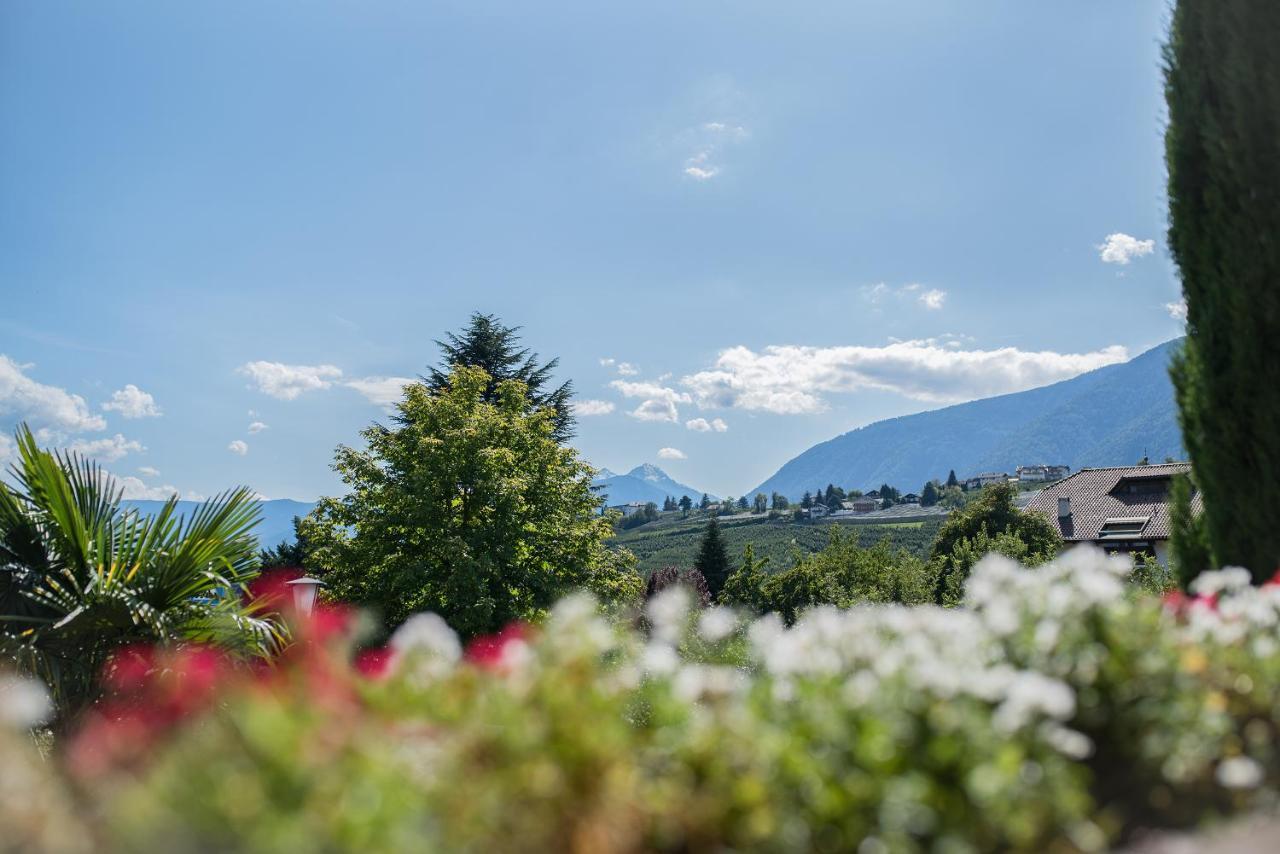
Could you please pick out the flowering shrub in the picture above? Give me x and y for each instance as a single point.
(1059, 709)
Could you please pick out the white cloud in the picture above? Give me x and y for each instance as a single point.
(286, 382)
(793, 379)
(708, 142)
(256, 427)
(137, 489)
(671, 454)
(1121, 248)
(149, 471)
(702, 425)
(588, 408)
(107, 450)
(626, 369)
(659, 402)
(133, 402)
(1177, 310)
(933, 299)
(607, 362)
(238, 447)
(384, 391)
(43, 405)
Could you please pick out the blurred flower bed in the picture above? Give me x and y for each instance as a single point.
(1059, 709)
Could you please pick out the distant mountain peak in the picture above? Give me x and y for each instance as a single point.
(602, 473)
(649, 472)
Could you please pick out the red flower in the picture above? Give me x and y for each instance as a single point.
(487, 651)
(1274, 581)
(374, 663)
(1176, 601)
(1206, 600)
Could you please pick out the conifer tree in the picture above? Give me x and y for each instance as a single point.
(952, 480)
(713, 558)
(1222, 148)
(495, 348)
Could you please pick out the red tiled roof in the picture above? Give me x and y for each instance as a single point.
(1092, 501)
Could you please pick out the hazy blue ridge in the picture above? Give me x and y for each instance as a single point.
(1111, 416)
(645, 482)
(277, 517)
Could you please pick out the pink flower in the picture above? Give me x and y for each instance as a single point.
(488, 651)
(375, 663)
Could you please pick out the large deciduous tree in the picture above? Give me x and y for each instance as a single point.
(488, 344)
(1222, 85)
(467, 507)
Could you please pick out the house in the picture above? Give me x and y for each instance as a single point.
(862, 504)
(985, 479)
(629, 509)
(1042, 473)
(1117, 509)
(909, 498)
(817, 511)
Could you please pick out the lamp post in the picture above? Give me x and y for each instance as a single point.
(304, 593)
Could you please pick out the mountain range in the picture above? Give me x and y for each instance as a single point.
(1110, 416)
(275, 527)
(645, 482)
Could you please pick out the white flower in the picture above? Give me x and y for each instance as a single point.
(1239, 772)
(716, 624)
(24, 702)
(427, 633)
(668, 612)
(1224, 580)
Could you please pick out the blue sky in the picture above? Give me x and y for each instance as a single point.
(796, 218)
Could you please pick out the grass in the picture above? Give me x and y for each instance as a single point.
(672, 541)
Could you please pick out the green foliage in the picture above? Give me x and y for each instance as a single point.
(83, 577)
(1150, 576)
(286, 554)
(467, 508)
(1222, 86)
(643, 516)
(1188, 540)
(745, 587)
(494, 348)
(842, 574)
(991, 522)
(713, 558)
(930, 494)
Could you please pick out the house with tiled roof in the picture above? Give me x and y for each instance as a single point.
(1117, 509)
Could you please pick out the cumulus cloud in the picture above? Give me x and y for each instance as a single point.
(43, 405)
(256, 427)
(658, 402)
(1177, 310)
(702, 425)
(286, 382)
(708, 142)
(671, 454)
(137, 489)
(108, 450)
(1121, 248)
(793, 379)
(238, 447)
(149, 471)
(626, 369)
(933, 299)
(133, 402)
(384, 391)
(588, 408)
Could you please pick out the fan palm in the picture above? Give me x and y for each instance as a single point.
(80, 576)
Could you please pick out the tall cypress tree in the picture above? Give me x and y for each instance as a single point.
(713, 559)
(487, 343)
(1222, 86)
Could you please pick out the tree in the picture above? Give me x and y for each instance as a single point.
(929, 496)
(487, 344)
(807, 501)
(743, 503)
(84, 577)
(686, 504)
(713, 558)
(668, 504)
(892, 494)
(643, 516)
(705, 502)
(1188, 540)
(1222, 144)
(745, 586)
(984, 521)
(670, 576)
(286, 554)
(761, 504)
(952, 480)
(835, 499)
(468, 508)
(779, 501)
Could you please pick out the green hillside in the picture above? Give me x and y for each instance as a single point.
(674, 541)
